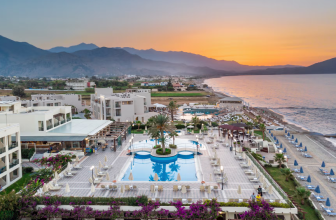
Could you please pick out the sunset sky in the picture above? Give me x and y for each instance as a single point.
(252, 32)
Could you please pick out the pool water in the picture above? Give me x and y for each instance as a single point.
(144, 166)
(205, 111)
(181, 143)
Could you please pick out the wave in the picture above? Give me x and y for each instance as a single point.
(304, 108)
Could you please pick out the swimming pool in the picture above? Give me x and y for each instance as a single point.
(144, 166)
(205, 111)
(181, 143)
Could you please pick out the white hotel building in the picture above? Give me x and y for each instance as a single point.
(133, 105)
(10, 154)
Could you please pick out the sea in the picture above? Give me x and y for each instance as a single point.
(308, 101)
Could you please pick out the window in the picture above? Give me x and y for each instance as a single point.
(127, 102)
(40, 126)
(118, 112)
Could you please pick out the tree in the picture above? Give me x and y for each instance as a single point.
(172, 107)
(262, 128)
(280, 159)
(161, 124)
(19, 91)
(195, 120)
(287, 172)
(173, 135)
(258, 119)
(302, 193)
(138, 123)
(249, 125)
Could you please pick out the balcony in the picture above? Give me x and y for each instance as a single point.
(63, 121)
(68, 119)
(13, 145)
(3, 169)
(145, 103)
(49, 127)
(14, 163)
(117, 105)
(56, 124)
(119, 114)
(41, 128)
(2, 150)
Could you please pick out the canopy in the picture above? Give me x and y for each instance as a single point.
(230, 127)
(157, 105)
(242, 125)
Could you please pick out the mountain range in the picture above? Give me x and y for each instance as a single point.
(23, 59)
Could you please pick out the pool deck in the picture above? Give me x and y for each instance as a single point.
(80, 186)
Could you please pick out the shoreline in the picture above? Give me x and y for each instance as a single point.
(318, 137)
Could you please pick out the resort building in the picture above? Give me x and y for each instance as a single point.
(45, 127)
(79, 84)
(9, 98)
(231, 103)
(133, 105)
(10, 154)
(179, 87)
(56, 100)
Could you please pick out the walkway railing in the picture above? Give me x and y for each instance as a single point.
(269, 178)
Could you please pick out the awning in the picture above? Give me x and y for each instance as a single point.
(52, 138)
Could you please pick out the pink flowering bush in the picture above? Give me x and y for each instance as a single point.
(54, 162)
(261, 210)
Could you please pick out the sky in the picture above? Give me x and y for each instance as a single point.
(251, 32)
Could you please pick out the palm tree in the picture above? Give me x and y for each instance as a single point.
(138, 123)
(287, 172)
(172, 108)
(173, 135)
(196, 121)
(280, 159)
(302, 193)
(262, 128)
(160, 124)
(249, 125)
(258, 119)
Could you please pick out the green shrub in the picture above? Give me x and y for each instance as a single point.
(27, 170)
(180, 126)
(173, 146)
(257, 156)
(157, 147)
(214, 124)
(160, 152)
(27, 153)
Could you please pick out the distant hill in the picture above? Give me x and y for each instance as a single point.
(195, 60)
(71, 49)
(13, 52)
(327, 66)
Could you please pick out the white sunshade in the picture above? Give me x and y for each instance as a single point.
(67, 188)
(239, 191)
(178, 177)
(130, 177)
(93, 189)
(157, 105)
(156, 177)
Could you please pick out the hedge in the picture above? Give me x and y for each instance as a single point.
(173, 146)
(27, 170)
(180, 126)
(27, 153)
(159, 151)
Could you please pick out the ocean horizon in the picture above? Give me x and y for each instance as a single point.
(307, 101)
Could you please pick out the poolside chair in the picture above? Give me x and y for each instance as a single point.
(231, 200)
(99, 178)
(160, 188)
(54, 188)
(277, 200)
(206, 187)
(267, 200)
(110, 187)
(310, 187)
(188, 187)
(325, 209)
(179, 199)
(245, 200)
(115, 187)
(333, 180)
(135, 187)
(127, 188)
(66, 174)
(318, 198)
(202, 189)
(215, 187)
(174, 199)
(103, 186)
(189, 200)
(157, 199)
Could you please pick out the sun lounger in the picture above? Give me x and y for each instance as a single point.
(127, 188)
(175, 188)
(55, 188)
(255, 180)
(310, 187)
(202, 189)
(157, 199)
(325, 209)
(329, 213)
(68, 174)
(303, 178)
(77, 167)
(160, 188)
(188, 188)
(115, 187)
(333, 180)
(189, 200)
(318, 198)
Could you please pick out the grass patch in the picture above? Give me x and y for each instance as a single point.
(177, 94)
(137, 131)
(290, 188)
(17, 186)
(259, 133)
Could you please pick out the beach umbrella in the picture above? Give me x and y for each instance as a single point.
(261, 178)
(215, 154)
(67, 188)
(248, 162)
(107, 176)
(93, 189)
(146, 128)
(328, 202)
(285, 131)
(308, 179)
(301, 170)
(305, 149)
(296, 163)
(272, 134)
(270, 189)
(209, 190)
(56, 176)
(156, 177)
(285, 150)
(277, 142)
(100, 165)
(244, 156)
(178, 177)
(332, 172)
(45, 188)
(105, 158)
(210, 177)
(280, 145)
(184, 189)
(269, 131)
(275, 138)
(288, 134)
(317, 189)
(239, 191)
(292, 137)
(130, 176)
(77, 159)
(69, 167)
(122, 189)
(296, 141)
(96, 171)
(301, 144)
(323, 164)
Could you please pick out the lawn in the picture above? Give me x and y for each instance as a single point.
(289, 188)
(177, 94)
(18, 184)
(137, 131)
(260, 134)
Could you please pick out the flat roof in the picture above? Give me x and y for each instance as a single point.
(231, 99)
(81, 126)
